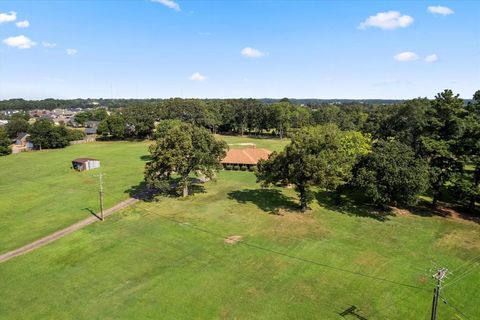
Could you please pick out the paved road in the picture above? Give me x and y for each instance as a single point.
(61, 233)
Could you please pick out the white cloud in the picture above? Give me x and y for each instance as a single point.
(71, 52)
(445, 11)
(406, 56)
(23, 24)
(20, 42)
(387, 21)
(169, 3)
(48, 44)
(431, 58)
(252, 53)
(197, 77)
(8, 17)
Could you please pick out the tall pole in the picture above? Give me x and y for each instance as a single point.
(100, 176)
(439, 275)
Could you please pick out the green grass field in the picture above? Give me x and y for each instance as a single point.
(40, 192)
(167, 259)
(260, 142)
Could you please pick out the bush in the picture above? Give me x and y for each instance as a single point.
(253, 168)
(75, 135)
(236, 167)
(228, 167)
(243, 168)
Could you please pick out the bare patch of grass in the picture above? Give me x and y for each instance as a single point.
(232, 239)
(461, 239)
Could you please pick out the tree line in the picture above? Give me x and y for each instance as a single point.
(416, 146)
(392, 154)
(44, 134)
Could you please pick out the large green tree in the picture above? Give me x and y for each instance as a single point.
(15, 126)
(467, 182)
(280, 114)
(391, 174)
(407, 122)
(183, 150)
(5, 143)
(317, 156)
(113, 126)
(440, 141)
(45, 135)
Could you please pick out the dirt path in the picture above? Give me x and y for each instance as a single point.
(61, 233)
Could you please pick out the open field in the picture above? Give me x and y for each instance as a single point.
(260, 142)
(168, 260)
(40, 193)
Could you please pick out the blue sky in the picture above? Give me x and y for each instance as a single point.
(220, 49)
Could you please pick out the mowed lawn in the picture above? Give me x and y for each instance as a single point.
(168, 260)
(272, 144)
(40, 193)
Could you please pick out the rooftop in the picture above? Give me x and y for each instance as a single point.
(84, 159)
(249, 156)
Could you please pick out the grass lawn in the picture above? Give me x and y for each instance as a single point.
(40, 193)
(261, 142)
(168, 260)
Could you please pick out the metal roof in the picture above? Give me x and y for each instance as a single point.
(84, 160)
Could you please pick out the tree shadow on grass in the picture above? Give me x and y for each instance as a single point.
(146, 157)
(171, 189)
(268, 200)
(425, 209)
(351, 203)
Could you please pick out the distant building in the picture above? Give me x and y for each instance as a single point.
(22, 143)
(245, 156)
(90, 131)
(82, 164)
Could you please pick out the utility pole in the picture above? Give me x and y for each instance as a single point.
(439, 275)
(100, 176)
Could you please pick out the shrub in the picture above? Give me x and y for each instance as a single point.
(243, 168)
(236, 167)
(75, 135)
(228, 167)
(253, 168)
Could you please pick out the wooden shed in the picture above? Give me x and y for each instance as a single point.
(82, 164)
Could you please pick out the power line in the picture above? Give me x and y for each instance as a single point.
(462, 275)
(454, 308)
(258, 247)
(473, 260)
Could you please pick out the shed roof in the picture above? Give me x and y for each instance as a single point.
(84, 160)
(249, 156)
(22, 135)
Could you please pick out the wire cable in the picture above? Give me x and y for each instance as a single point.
(258, 247)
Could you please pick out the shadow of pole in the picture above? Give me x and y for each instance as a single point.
(93, 213)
